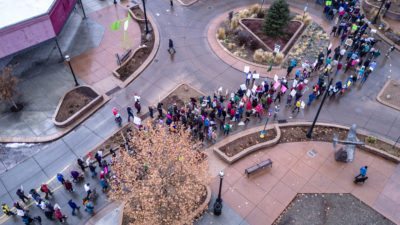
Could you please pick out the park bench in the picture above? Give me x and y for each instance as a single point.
(259, 166)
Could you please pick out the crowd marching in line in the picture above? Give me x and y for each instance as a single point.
(355, 54)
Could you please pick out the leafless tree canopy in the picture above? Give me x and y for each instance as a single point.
(164, 181)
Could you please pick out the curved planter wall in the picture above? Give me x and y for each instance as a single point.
(275, 141)
(77, 115)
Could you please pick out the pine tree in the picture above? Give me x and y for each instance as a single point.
(277, 18)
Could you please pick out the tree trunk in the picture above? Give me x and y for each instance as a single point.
(13, 103)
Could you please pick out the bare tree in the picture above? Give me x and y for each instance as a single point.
(8, 86)
(163, 181)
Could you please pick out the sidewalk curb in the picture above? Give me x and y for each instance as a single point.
(379, 99)
(61, 133)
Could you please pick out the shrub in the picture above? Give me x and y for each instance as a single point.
(371, 139)
(279, 58)
(242, 37)
(254, 9)
(221, 33)
(245, 13)
(234, 23)
(268, 56)
(261, 14)
(277, 18)
(231, 46)
(254, 44)
(258, 55)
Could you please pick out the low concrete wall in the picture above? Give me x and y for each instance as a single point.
(390, 14)
(249, 150)
(79, 113)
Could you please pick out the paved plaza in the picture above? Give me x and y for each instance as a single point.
(256, 200)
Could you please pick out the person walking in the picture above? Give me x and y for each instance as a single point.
(81, 164)
(68, 185)
(171, 48)
(103, 184)
(171, 2)
(89, 207)
(390, 50)
(297, 106)
(38, 219)
(92, 169)
(130, 113)
(6, 210)
(87, 190)
(363, 172)
(151, 111)
(60, 178)
(58, 214)
(20, 193)
(73, 206)
(138, 107)
(46, 190)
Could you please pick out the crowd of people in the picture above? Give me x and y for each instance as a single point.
(44, 198)
(354, 57)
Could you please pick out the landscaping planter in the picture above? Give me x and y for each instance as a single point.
(296, 132)
(368, 5)
(254, 27)
(136, 12)
(74, 104)
(220, 148)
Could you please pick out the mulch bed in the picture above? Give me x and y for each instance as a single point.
(138, 12)
(256, 27)
(141, 55)
(325, 134)
(392, 89)
(180, 96)
(394, 7)
(74, 101)
(244, 142)
(329, 209)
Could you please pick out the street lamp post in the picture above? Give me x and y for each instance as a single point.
(145, 16)
(218, 201)
(68, 59)
(309, 133)
(379, 11)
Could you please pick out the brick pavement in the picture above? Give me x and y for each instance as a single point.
(262, 197)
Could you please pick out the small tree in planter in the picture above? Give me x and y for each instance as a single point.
(8, 86)
(277, 18)
(163, 181)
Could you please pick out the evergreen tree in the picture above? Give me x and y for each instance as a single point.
(277, 18)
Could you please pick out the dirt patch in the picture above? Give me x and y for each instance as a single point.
(329, 209)
(256, 27)
(244, 142)
(138, 12)
(141, 55)
(392, 89)
(180, 96)
(74, 101)
(325, 134)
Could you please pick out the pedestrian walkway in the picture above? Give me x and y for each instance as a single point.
(261, 198)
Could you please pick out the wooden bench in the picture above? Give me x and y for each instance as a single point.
(259, 166)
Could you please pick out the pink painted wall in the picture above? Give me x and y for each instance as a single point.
(36, 30)
(60, 13)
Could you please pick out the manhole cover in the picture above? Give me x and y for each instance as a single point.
(210, 7)
(312, 153)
